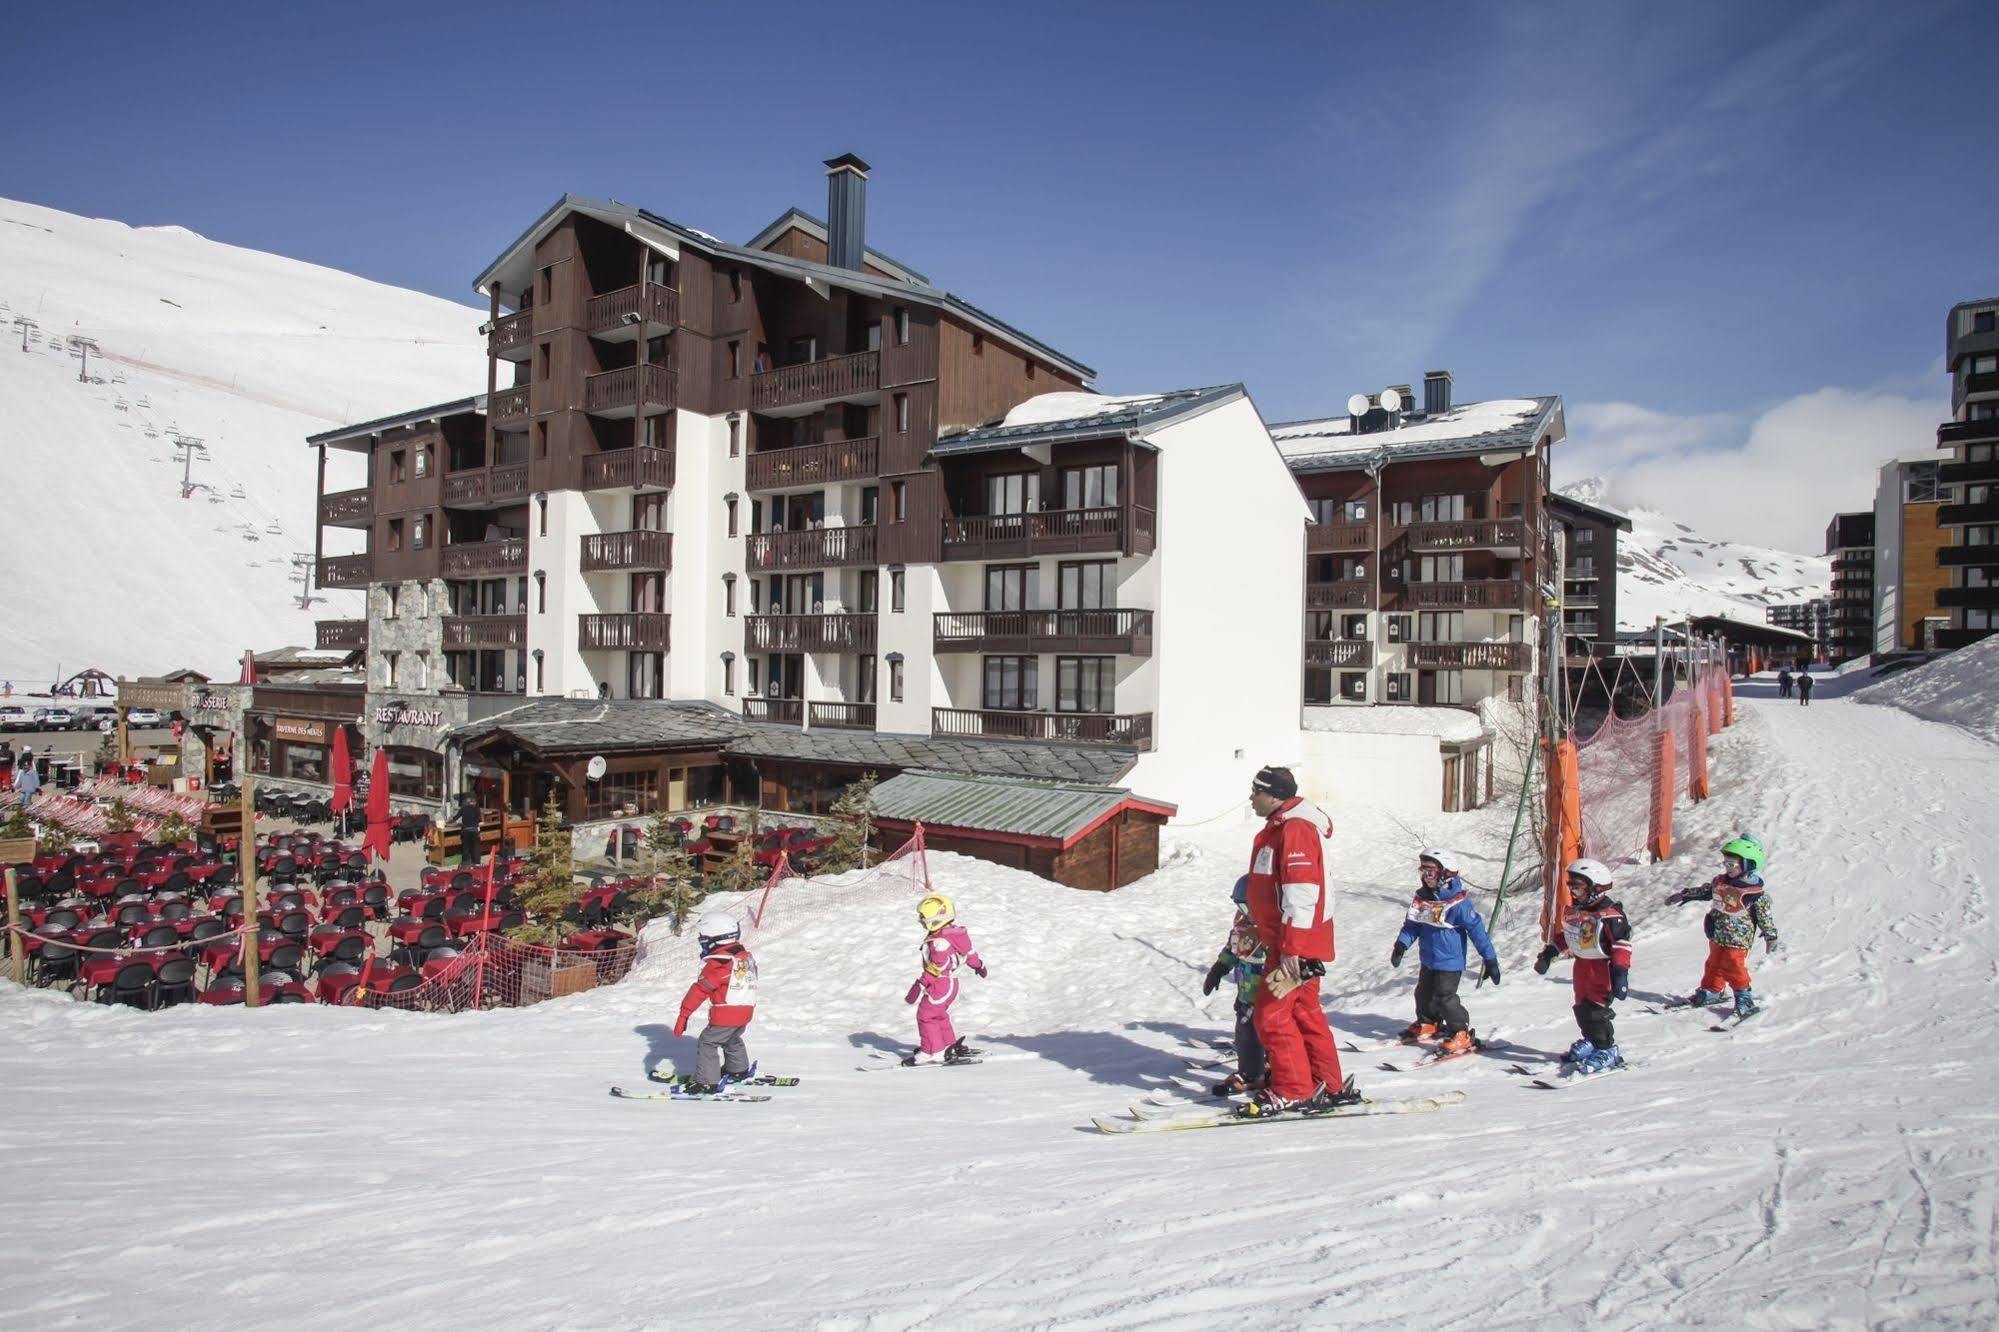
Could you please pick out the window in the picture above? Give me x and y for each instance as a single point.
(645, 675)
(419, 530)
(1012, 587)
(1440, 568)
(729, 595)
(422, 671)
(1585, 536)
(1982, 411)
(1085, 684)
(895, 590)
(902, 413)
(1583, 567)
(1398, 628)
(1984, 365)
(646, 592)
(538, 683)
(870, 593)
(1353, 686)
(1516, 629)
(1516, 689)
(1397, 690)
(649, 512)
(901, 326)
(391, 600)
(1010, 683)
(1982, 320)
(1030, 369)
(978, 344)
(1090, 487)
(540, 592)
(730, 504)
(1318, 686)
(541, 506)
(733, 368)
(1353, 627)
(395, 541)
(398, 466)
(1013, 492)
(423, 462)
(1980, 452)
(1356, 511)
(1322, 510)
(1447, 686)
(1440, 626)
(728, 673)
(1922, 486)
(541, 439)
(895, 679)
(389, 660)
(1086, 585)
(898, 502)
(735, 436)
(735, 285)
(659, 432)
(870, 505)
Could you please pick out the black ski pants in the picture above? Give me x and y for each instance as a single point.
(1593, 1020)
(1437, 1001)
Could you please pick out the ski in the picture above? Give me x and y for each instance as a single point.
(909, 1061)
(1565, 1081)
(1228, 1119)
(1739, 1018)
(678, 1095)
(754, 1080)
(1350, 1046)
(1193, 1062)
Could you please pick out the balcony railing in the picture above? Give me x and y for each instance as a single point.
(1961, 556)
(1960, 473)
(470, 487)
(816, 381)
(1050, 532)
(830, 632)
(611, 552)
(508, 404)
(1956, 515)
(812, 548)
(1967, 432)
(485, 631)
(642, 631)
(1970, 598)
(1475, 534)
(844, 716)
(507, 555)
(788, 710)
(1949, 640)
(1472, 656)
(640, 468)
(341, 635)
(624, 391)
(346, 571)
(643, 303)
(342, 508)
(812, 464)
(1478, 594)
(1342, 594)
(1339, 653)
(512, 336)
(1132, 730)
(1091, 631)
(1324, 537)
(1579, 601)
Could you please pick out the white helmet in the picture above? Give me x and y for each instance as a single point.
(1444, 860)
(717, 927)
(1593, 872)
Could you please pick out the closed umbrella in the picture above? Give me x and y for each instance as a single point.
(343, 777)
(376, 843)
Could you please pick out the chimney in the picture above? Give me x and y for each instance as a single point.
(846, 211)
(1436, 392)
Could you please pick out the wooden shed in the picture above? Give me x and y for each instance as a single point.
(1096, 837)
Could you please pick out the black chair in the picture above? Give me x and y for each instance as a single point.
(376, 895)
(288, 902)
(463, 879)
(60, 885)
(463, 901)
(174, 983)
(352, 917)
(404, 983)
(132, 913)
(346, 896)
(223, 878)
(349, 951)
(175, 911)
(127, 888)
(56, 962)
(31, 887)
(160, 936)
(434, 909)
(294, 924)
(132, 986)
(232, 905)
(177, 882)
(286, 957)
(183, 861)
(207, 929)
(61, 918)
(429, 941)
(284, 867)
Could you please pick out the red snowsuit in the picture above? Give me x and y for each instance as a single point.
(729, 967)
(1288, 901)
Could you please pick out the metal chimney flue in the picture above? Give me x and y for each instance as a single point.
(1436, 392)
(846, 211)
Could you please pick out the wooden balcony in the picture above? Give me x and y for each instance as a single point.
(790, 711)
(471, 558)
(508, 405)
(1050, 532)
(641, 468)
(1478, 594)
(851, 376)
(813, 548)
(1339, 653)
(1496, 534)
(479, 487)
(1342, 594)
(346, 571)
(1098, 632)
(347, 508)
(640, 631)
(512, 337)
(843, 716)
(614, 552)
(638, 311)
(485, 631)
(625, 392)
(1323, 538)
(340, 635)
(1131, 730)
(829, 632)
(1471, 656)
(812, 464)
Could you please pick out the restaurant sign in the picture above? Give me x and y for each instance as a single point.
(297, 728)
(402, 714)
(211, 703)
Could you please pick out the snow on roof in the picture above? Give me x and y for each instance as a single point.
(1960, 689)
(1496, 424)
(1442, 723)
(1074, 406)
(1053, 417)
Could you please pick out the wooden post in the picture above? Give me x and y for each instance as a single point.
(17, 946)
(246, 859)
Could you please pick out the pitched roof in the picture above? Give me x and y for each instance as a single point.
(415, 416)
(1058, 811)
(813, 226)
(1558, 501)
(870, 749)
(603, 726)
(1497, 425)
(1054, 418)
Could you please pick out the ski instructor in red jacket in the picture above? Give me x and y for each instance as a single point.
(1289, 902)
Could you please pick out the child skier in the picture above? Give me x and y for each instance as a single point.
(1741, 911)
(1596, 934)
(1242, 955)
(936, 988)
(728, 985)
(1442, 917)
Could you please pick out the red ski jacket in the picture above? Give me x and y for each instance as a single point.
(727, 984)
(1288, 897)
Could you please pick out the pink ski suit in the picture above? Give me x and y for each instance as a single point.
(937, 987)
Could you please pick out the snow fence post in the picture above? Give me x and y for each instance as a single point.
(1697, 784)
(1564, 834)
(1727, 700)
(1661, 840)
(17, 946)
(247, 858)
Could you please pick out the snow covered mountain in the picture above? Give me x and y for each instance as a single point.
(1666, 568)
(103, 562)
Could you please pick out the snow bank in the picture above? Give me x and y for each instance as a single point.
(1071, 406)
(1960, 689)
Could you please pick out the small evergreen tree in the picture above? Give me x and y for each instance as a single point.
(550, 886)
(672, 883)
(853, 828)
(17, 826)
(107, 751)
(54, 840)
(118, 819)
(740, 872)
(175, 828)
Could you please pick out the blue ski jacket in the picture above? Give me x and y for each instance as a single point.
(1443, 920)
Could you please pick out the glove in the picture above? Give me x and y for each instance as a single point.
(680, 1027)
(1674, 899)
(1620, 982)
(1491, 970)
(914, 990)
(1395, 954)
(980, 971)
(1771, 946)
(1215, 974)
(1548, 955)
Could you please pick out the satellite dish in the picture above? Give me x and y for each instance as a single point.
(594, 769)
(1391, 401)
(1357, 405)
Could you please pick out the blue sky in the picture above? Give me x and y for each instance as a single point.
(1683, 219)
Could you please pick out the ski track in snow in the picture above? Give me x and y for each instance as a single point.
(1800, 1172)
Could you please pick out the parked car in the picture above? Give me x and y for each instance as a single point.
(14, 717)
(143, 717)
(94, 717)
(53, 719)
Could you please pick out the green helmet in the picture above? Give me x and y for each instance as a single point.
(1747, 850)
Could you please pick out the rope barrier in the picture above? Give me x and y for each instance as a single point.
(207, 941)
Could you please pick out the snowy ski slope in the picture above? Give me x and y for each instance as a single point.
(102, 561)
(1833, 1164)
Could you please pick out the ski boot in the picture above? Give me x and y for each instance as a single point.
(958, 1052)
(1578, 1052)
(924, 1057)
(1600, 1060)
(1348, 1094)
(1456, 1044)
(1417, 1033)
(1702, 998)
(702, 1088)
(731, 1079)
(1745, 1003)
(1235, 1084)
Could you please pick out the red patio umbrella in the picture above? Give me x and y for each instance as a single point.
(376, 843)
(343, 773)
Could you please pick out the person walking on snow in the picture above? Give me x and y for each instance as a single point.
(26, 780)
(1288, 900)
(1804, 688)
(728, 985)
(1443, 920)
(1596, 934)
(1740, 912)
(945, 944)
(1242, 955)
(1783, 682)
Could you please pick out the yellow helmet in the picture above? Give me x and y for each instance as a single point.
(935, 912)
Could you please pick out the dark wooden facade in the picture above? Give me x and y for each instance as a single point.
(1121, 850)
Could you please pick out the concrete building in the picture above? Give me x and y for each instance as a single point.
(1812, 617)
(1589, 574)
(1969, 556)
(1907, 540)
(1849, 541)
